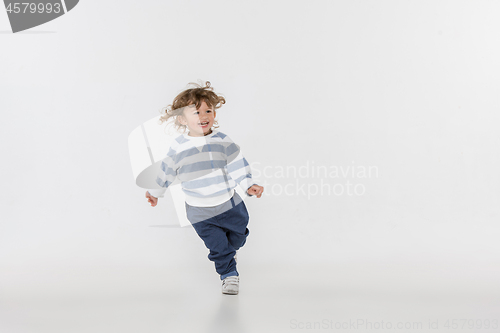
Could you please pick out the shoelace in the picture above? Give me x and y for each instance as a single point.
(231, 280)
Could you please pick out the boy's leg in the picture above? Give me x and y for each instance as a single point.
(215, 238)
(221, 252)
(236, 222)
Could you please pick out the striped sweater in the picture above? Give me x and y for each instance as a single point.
(209, 168)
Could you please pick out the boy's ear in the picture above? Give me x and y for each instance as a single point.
(181, 119)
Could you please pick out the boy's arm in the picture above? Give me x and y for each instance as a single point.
(166, 175)
(237, 166)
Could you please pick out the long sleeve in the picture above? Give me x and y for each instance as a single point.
(166, 175)
(237, 166)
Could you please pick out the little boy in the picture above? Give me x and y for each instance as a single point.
(209, 165)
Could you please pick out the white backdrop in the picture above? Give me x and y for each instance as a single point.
(406, 89)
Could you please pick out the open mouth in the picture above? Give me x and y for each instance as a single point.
(203, 124)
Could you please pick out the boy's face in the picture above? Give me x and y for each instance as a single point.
(199, 122)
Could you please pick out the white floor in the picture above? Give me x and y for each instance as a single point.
(331, 297)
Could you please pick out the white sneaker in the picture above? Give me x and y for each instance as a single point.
(230, 285)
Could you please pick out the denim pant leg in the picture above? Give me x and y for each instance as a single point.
(215, 238)
(223, 229)
(235, 221)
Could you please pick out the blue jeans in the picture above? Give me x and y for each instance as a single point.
(224, 230)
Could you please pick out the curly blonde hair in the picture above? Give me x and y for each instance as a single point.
(188, 97)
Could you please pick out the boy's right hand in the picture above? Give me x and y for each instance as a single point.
(152, 200)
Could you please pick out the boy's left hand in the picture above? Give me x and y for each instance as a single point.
(255, 190)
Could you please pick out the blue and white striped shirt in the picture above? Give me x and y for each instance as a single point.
(209, 168)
